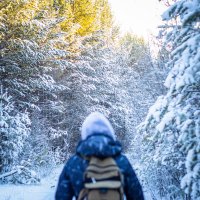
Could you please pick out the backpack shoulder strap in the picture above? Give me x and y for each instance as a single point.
(83, 193)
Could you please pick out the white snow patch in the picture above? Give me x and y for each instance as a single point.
(43, 191)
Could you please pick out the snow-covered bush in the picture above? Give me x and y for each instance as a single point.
(20, 175)
(14, 129)
(43, 148)
(172, 125)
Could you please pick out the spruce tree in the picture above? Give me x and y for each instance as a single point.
(172, 124)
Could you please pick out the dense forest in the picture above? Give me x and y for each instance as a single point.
(62, 59)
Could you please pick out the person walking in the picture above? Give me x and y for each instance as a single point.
(98, 140)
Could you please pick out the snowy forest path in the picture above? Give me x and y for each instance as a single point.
(43, 191)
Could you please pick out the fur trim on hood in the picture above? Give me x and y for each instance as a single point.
(97, 123)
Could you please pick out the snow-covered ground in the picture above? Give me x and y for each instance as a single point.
(43, 191)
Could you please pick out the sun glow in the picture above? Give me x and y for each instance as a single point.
(140, 17)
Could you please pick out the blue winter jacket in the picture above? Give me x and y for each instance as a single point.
(71, 179)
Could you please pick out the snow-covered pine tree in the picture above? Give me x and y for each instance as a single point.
(32, 47)
(27, 57)
(80, 75)
(106, 98)
(81, 78)
(14, 129)
(137, 80)
(172, 127)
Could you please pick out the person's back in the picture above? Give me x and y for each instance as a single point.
(98, 140)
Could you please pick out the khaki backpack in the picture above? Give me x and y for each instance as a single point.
(103, 180)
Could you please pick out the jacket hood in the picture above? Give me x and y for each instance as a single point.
(99, 145)
(97, 123)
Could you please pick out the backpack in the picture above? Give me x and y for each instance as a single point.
(103, 180)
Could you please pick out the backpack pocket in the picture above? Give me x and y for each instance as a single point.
(104, 194)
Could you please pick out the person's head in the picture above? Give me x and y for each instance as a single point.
(97, 123)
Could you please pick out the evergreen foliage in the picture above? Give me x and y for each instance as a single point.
(30, 52)
(60, 60)
(14, 129)
(43, 67)
(172, 124)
